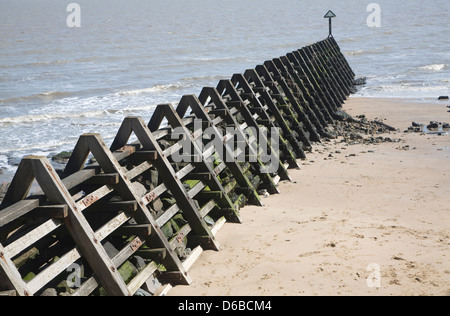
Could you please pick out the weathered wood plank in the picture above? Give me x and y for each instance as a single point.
(92, 283)
(185, 171)
(193, 257)
(94, 197)
(142, 215)
(142, 277)
(196, 189)
(146, 155)
(218, 225)
(52, 211)
(104, 178)
(168, 214)
(139, 170)
(183, 232)
(153, 195)
(157, 254)
(163, 290)
(123, 206)
(208, 208)
(143, 230)
(65, 261)
(9, 276)
(202, 176)
(32, 237)
(17, 210)
(79, 228)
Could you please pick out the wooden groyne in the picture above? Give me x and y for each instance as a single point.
(135, 219)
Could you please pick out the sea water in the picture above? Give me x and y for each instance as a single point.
(57, 82)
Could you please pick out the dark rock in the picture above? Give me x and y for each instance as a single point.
(157, 205)
(63, 287)
(445, 97)
(168, 202)
(50, 292)
(152, 285)
(154, 177)
(329, 135)
(360, 81)
(167, 230)
(139, 189)
(356, 136)
(164, 144)
(14, 161)
(446, 125)
(179, 220)
(141, 292)
(138, 262)
(342, 116)
(209, 221)
(415, 124)
(185, 254)
(128, 271)
(62, 157)
(110, 249)
(433, 125)
(385, 127)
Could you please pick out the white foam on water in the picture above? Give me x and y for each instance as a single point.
(402, 91)
(434, 67)
(156, 89)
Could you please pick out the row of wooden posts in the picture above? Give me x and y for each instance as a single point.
(133, 202)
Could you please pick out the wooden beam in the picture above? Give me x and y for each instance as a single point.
(124, 206)
(104, 178)
(91, 284)
(124, 188)
(143, 230)
(146, 155)
(208, 195)
(52, 211)
(142, 277)
(16, 211)
(153, 254)
(202, 176)
(79, 228)
(193, 257)
(10, 278)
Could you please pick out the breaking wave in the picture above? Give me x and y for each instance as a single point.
(154, 89)
(44, 96)
(46, 117)
(435, 67)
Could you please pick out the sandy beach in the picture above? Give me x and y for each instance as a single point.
(353, 211)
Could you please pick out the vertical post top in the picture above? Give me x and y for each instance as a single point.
(330, 15)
